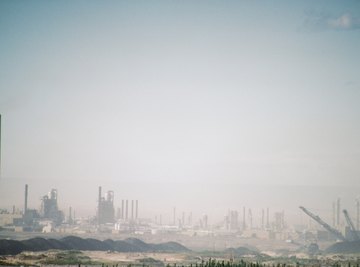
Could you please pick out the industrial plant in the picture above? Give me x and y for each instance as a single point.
(125, 219)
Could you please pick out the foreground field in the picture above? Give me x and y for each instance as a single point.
(57, 257)
(103, 258)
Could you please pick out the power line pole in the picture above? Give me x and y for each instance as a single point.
(0, 145)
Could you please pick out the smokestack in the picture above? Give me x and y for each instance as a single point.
(132, 209)
(26, 199)
(137, 209)
(99, 195)
(334, 214)
(126, 211)
(99, 206)
(267, 218)
(250, 218)
(122, 209)
(357, 214)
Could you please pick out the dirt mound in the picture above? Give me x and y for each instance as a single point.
(138, 244)
(40, 244)
(13, 247)
(170, 247)
(344, 247)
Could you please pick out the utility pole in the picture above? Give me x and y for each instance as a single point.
(0, 145)
(357, 213)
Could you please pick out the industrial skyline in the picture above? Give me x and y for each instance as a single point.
(233, 221)
(207, 116)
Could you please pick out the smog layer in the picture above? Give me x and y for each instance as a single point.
(155, 132)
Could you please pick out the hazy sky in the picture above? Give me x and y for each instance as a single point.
(196, 97)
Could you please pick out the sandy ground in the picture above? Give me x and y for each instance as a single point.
(37, 258)
(134, 257)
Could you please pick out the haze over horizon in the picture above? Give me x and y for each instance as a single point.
(176, 102)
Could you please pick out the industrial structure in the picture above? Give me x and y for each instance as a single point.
(26, 198)
(106, 211)
(353, 233)
(49, 207)
(357, 214)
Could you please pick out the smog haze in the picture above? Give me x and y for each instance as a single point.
(200, 105)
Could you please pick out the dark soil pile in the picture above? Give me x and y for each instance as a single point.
(13, 247)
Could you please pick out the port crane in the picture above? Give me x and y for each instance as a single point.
(333, 231)
(351, 225)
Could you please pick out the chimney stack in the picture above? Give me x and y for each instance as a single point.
(136, 209)
(127, 210)
(338, 207)
(132, 209)
(122, 209)
(357, 214)
(99, 206)
(70, 216)
(26, 199)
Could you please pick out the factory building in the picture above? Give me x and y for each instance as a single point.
(49, 208)
(106, 211)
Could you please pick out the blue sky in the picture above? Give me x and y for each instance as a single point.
(167, 92)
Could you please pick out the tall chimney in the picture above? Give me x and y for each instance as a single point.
(136, 209)
(122, 209)
(70, 215)
(357, 214)
(127, 210)
(26, 199)
(334, 214)
(132, 209)
(99, 206)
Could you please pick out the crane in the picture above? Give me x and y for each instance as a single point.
(351, 225)
(333, 231)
